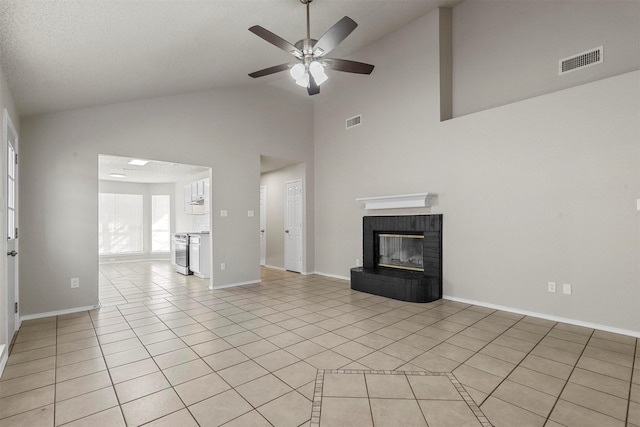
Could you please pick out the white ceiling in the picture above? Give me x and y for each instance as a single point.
(65, 54)
(152, 172)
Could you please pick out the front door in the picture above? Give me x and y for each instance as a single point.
(293, 226)
(263, 225)
(11, 224)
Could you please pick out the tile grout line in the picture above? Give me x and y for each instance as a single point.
(633, 366)
(568, 378)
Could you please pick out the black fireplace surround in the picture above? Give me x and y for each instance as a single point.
(401, 284)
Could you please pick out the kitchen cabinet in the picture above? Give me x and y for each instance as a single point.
(196, 197)
(199, 258)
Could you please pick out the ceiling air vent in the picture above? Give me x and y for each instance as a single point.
(581, 60)
(354, 121)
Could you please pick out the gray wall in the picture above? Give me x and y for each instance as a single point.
(225, 130)
(275, 183)
(539, 190)
(506, 51)
(6, 101)
(146, 191)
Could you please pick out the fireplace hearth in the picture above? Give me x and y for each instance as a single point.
(402, 257)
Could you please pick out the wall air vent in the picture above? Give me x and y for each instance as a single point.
(581, 60)
(354, 121)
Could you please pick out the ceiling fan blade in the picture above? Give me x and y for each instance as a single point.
(347, 66)
(276, 40)
(334, 36)
(270, 70)
(313, 88)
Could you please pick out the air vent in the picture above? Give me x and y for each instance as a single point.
(354, 121)
(581, 60)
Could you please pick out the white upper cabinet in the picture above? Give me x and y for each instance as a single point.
(196, 197)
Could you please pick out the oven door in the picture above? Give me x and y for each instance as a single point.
(182, 255)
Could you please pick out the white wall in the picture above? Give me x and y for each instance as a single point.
(6, 101)
(275, 183)
(225, 130)
(539, 190)
(506, 51)
(146, 191)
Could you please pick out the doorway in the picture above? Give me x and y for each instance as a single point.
(293, 226)
(276, 173)
(263, 225)
(11, 279)
(143, 204)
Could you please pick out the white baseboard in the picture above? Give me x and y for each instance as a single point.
(333, 276)
(233, 285)
(58, 313)
(590, 325)
(133, 260)
(273, 267)
(4, 357)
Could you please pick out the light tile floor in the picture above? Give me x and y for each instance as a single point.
(167, 351)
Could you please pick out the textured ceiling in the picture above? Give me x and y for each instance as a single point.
(66, 54)
(152, 172)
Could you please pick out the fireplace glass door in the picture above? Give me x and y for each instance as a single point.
(401, 251)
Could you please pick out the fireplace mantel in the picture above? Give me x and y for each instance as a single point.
(417, 200)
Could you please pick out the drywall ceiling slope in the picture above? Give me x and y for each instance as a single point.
(62, 55)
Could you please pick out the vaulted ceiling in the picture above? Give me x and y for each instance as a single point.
(66, 54)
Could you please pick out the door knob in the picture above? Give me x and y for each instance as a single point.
(12, 253)
(262, 231)
(286, 231)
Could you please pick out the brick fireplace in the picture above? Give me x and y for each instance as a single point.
(402, 257)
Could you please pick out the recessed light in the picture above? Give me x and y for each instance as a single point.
(138, 162)
(117, 175)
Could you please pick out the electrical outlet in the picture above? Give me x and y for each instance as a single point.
(566, 289)
(75, 282)
(250, 214)
(551, 287)
(357, 262)
(224, 212)
(223, 266)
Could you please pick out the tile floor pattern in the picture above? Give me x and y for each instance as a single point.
(364, 398)
(167, 351)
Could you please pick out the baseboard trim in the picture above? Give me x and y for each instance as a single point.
(233, 285)
(58, 313)
(133, 260)
(575, 322)
(333, 276)
(273, 267)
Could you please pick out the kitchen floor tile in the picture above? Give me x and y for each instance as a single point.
(151, 407)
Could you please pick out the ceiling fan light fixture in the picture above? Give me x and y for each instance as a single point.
(297, 71)
(303, 81)
(317, 71)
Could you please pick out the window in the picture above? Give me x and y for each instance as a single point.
(160, 223)
(120, 224)
(11, 192)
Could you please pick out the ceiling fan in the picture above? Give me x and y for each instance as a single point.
(309, 71)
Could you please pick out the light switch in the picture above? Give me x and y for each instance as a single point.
(638, 202)
(250, 214)
(224, 212)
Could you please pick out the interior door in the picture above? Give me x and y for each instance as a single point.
(263, 225)
(11, 224)
(293, 226)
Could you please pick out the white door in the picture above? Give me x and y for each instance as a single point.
(11, 224)
(293, 226)
(263, 225)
